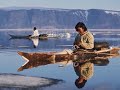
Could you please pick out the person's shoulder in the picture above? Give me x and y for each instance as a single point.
(88, 33)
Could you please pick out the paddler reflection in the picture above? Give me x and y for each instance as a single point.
(84, 71)
(84, 68)
(35, 42)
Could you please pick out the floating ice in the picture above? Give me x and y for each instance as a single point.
(13, 80)
(113, 12)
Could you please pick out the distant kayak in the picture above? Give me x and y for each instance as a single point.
(41, 36)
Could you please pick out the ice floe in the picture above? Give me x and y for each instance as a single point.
(21, 81)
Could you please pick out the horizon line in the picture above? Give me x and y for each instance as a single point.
(33, 7)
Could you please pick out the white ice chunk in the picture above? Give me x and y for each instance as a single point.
(11, 80)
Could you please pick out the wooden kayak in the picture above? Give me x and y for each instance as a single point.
(41, 36)
(39, 59)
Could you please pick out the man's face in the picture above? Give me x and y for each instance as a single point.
(80, 30)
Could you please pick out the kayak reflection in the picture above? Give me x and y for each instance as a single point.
(40, 59)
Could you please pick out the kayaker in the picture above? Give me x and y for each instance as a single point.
(35, 32)
(84, 38)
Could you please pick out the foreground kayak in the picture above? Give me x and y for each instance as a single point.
(41, 36)
(39, 59)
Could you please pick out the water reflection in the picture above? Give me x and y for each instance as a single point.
(83, 63)
(40, 59)
(84, 68)
(35, 42)
(84, 71)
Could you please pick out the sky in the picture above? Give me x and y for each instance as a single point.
(65, 4)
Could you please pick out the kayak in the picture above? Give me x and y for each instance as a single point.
(35, 56)
(41, 36)
(34, 59)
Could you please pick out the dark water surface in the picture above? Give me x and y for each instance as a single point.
(105, 77)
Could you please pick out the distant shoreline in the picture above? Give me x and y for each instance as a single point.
(40, 29)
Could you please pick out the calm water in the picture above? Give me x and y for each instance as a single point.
(105, 77)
